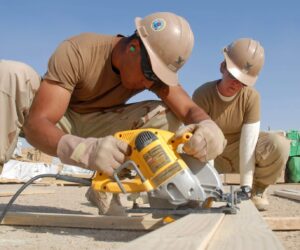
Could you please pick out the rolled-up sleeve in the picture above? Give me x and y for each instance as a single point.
(65, 66)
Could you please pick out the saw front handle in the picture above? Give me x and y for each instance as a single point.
(179, 140)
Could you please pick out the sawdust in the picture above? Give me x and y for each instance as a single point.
(70, 199)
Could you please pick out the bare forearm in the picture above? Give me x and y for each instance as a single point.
(43, 135)
(195, 115)
(182, 105)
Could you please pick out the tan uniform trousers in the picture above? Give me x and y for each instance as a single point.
(271, 155)
(18, 85)
(147, 114)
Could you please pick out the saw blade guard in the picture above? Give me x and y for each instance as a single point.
(207, 176)
(196, 184)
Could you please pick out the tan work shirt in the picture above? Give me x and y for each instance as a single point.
(230, 116)
(82, 65)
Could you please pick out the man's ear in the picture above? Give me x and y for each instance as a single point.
(222, 67)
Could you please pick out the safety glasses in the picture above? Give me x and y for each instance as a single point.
(146, 64)
(233, 78)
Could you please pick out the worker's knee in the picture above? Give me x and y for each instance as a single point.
(282, 146)
(159, 116)
(272, 147)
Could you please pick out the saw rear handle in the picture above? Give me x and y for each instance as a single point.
(127, 164)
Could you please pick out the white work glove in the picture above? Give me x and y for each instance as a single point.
(207, 141)
(102, 154)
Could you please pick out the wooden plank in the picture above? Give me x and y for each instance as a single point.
(296, 191)
(44, 181)
(53, 181)
(283, 223)
(5, 193)
(291, 194)
(190, 232)
(244, 230)
(9, 181)
(81, 221)
(234, 178)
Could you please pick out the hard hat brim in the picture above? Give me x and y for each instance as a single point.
(237, 73)
(165, 74)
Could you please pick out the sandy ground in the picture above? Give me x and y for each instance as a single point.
(282, 207)
(70, 199)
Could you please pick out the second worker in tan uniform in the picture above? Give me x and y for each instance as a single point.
(234, 105)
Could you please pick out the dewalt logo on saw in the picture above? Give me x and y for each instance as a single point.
(156, 158)
(166, 174)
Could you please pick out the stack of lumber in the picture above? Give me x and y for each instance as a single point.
(244, 230)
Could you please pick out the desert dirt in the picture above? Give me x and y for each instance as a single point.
(71, 200)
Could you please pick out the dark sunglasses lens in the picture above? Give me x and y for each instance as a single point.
(146, 65)
(148, 73)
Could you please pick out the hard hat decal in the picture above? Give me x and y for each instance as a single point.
(179, 60)
(158, 24)
(247, 67)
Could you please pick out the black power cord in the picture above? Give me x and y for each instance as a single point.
(85, 182)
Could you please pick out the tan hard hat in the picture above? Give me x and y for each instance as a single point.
(244, 59)
(168, 40)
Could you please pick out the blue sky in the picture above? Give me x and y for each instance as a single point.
(31, 30)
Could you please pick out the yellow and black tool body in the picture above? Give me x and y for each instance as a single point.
(153, 157)
(160, 171)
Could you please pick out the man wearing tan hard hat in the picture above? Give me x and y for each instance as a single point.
(234, 105)
(81, 101)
